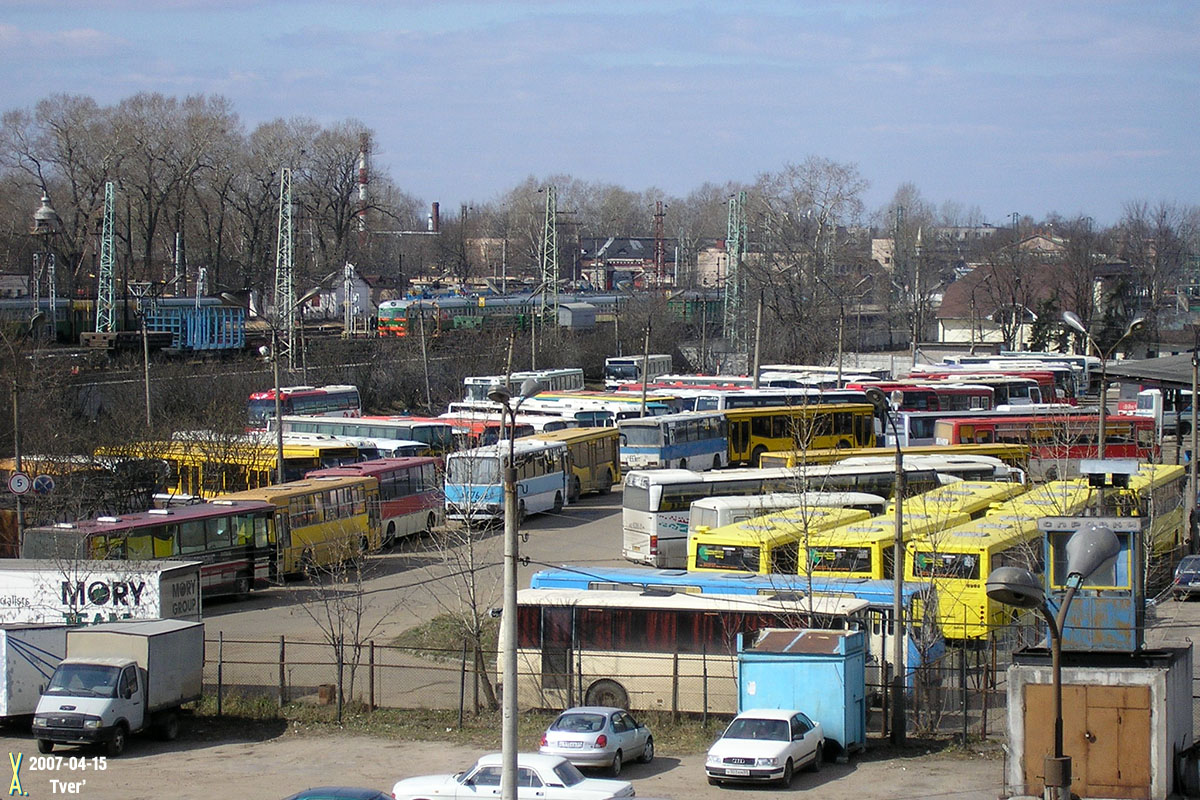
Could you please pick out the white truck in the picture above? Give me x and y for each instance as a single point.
(28, 657)
(120, 678)
(85, 592)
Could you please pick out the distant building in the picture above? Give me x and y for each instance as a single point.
(14, 284)
(609, 262)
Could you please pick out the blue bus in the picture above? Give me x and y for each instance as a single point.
(474, 480)
(689, 440)
(924, 642)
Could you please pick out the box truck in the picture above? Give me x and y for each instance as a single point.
(121, 678)
(85, 592)
(28, 656)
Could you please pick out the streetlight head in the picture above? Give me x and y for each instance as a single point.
(1072, 319)
(1015, 586)
(498, 394)
(264, 351)
(530, 387)
(1134, 324)
(1089, 548)
(896, 399)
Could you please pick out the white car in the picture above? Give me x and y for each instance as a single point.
(765, 744)
(539, 777)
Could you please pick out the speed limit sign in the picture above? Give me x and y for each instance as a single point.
(19, 483)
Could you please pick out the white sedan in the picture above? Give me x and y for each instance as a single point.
(539, 777)
(765, 744)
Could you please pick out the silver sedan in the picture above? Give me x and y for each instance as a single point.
(598, 736)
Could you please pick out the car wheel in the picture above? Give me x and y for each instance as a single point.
(614, 768)
(818, 759)
(648, 751)
(788, 772)
(1177, 596)
(45, 746)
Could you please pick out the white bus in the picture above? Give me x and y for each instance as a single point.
(552, 380)
(657, 504)
(696, 439)
(436, 435)
(474, 480)
(655, 650)
(717, 512)
(635, 369)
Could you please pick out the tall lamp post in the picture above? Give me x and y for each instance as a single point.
(899, 704)
(508, 621)
(1073, 321)
(34, 321)
(1088, 549)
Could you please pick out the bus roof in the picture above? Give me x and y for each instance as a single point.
(159, 516)
(378, 466)
(830, 606)
(783, 526)
(521, 446)
(282, 491)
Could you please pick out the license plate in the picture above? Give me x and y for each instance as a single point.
(573, 745)
(735, 771)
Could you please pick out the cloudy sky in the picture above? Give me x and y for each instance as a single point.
(1021, 106)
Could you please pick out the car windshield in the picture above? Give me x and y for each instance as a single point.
(1189, 564)
(568, 773)
(579, 723)
(751, 728)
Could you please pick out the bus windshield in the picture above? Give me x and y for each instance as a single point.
(642, 435)
(261, 411)
(474, 470)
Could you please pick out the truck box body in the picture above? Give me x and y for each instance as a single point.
(28, 656)
(86, 592)
(169, 651)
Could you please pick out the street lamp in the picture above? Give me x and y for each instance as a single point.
(508, 622)
(899, 715)
(34, 321)
(1088, 549)
(1073, 321)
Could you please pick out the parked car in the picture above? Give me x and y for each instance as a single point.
(765, 744)
(339, 793)
(598, 736)
(539, 777)
(1187, 578)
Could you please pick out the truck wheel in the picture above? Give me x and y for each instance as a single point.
(116, 745)
(168, 727)
(45, 746)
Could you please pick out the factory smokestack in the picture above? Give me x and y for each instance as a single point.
(364, 145)
(435, 222)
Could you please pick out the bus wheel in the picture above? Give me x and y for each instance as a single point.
(683, 463)
(389, 538)
(606, 484)
(716, 462)
(607, 693)
(308, 566)
(558, 503)
(576, 490)
(241, 588)
(430, 522)
(756, 456)
(844, 444)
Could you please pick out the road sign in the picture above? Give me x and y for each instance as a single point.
(19, 483)
(43, 484)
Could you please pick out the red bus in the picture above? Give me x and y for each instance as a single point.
(410, 494)
(1049, 390)
(1056, 441)
(934, 396)
(481, 430)
(323, 401)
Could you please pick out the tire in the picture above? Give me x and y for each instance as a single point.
(116, 745)
(308, 566)
(614, 769)
(606, 486)
(364, 547)
(756, 456)
(430, 522)
(389, 537)
(716, 462)
(683, 463)
(558, 502)
(607, 692)
(45, 746)
(241, 588)
(647, 752)
(788, 772)
(168, 727)
(818, 760)
(576, 490)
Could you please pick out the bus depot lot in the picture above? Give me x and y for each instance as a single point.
(275, 767)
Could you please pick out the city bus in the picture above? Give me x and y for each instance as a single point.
(326, 401)
(716, 512)
(754, 431)
(923, 642)
(656, 504)
(477, 430)
(1056, 442)
(593, 458)
(973, 498)
(611, 407)
(631, 369)
(569, 379)
(659, 650)
(920, 396)
(767, 544)
(232, 540)
(410, 493)
(321, 522)
(865, 549)
(674, 441)
(436, 434)
(1014, 455)
(1009, 389)
(474, 480)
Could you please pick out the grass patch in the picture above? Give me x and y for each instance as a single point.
(442, 637)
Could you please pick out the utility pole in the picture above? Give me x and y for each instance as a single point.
(757, 336)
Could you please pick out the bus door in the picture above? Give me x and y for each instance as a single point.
(739, 440)
(556, 648)
(283, 541)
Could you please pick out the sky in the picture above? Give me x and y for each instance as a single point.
(1033, 107)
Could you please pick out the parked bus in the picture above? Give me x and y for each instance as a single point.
(921, 396)
(1056, 442)
(923, 642)
(436, 434)
(716, 512)
(767, 544)
(474, 490)
(410, 493)
(551, 380)
(967, 468)
(657, 503)
(1014, 455)
(635, 369)
(1009, 388)
(973, 498)
(658, 651)
(754, 431)
(593, 458)
(321, 522)
(611, 407)
(480, 431)
(674, 441)
(328, 401)
(231, 540)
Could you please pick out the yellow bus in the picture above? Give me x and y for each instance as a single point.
(321, 522)
(766, 544)
(755, 431)
(208, 467)
(973, 498)
(1015, 455)
(1158, 493)
(593, 455)
(865, 549)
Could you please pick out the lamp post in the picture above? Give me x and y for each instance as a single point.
(899, 704)
(508, 620)
(1088, 549)
(34, 321)
(1073, 321)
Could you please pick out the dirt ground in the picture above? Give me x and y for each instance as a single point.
(284, 762)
